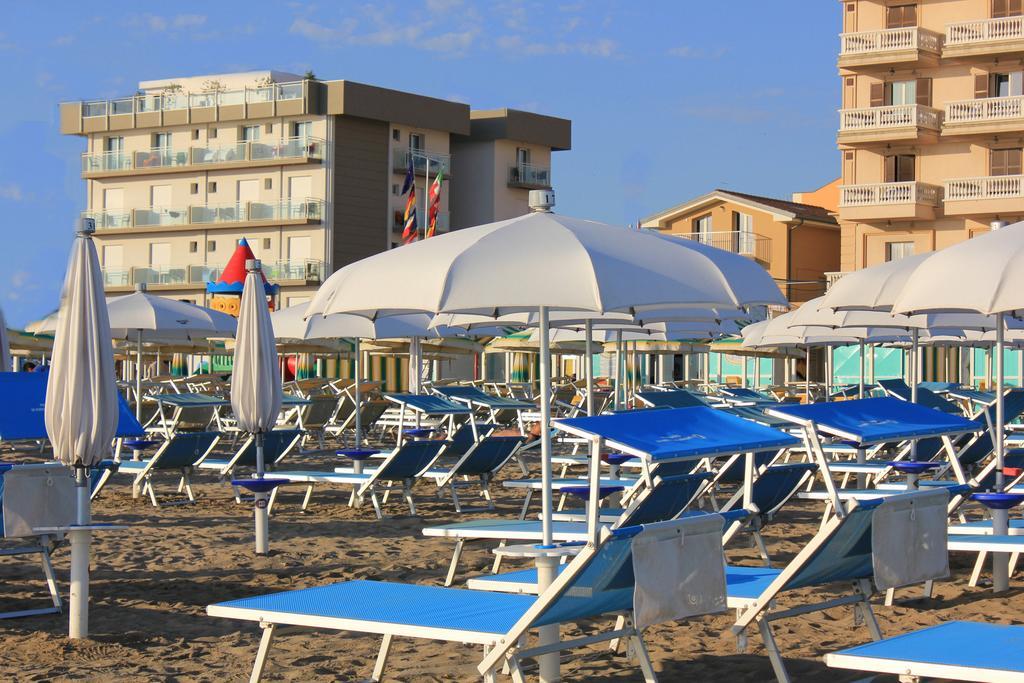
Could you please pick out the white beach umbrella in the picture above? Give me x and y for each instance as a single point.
(874, 288)
(256, 382)
(544, 262)
(5, 346)
(992, 266)
(81, 401)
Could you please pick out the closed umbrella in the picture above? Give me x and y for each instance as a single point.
(256, 385)
(5, 347)
(81, 401)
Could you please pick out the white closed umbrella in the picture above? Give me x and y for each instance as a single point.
(5, 346)
(982, 275)
(81, 401)
(256, 383)
(544, 262)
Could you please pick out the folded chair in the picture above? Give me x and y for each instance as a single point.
(621, 581)
(880, 544)
(180, 453)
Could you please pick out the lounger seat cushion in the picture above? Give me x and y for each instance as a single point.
(213, 464)
(970, 650)
(982, 542)
(132, 465)
(748, 582)
(984, 526)
(319, 476)
(512, 529)
(389, 603)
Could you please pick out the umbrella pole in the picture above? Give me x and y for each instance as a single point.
(262, 517)
(807, 374)
(618, 369)
(588, 363)
(860, 386)
(357, 371)
(78, 623)
(1000, 518)
(136, 453)
(912, 370)
(546, 566)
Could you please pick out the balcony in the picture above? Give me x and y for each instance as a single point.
(888, 201)
(530, 177)
(243, 154)
(886, 47)
(757, 247)
(400, 162)
(832, 277)
(195, 276)
(987, 195)
(180, 108)
(398, 222)
(985, 116)
(984, 38)
(159, 219)
(913, 122)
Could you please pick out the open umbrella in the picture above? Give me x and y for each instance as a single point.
(256, 385)
(81, 401)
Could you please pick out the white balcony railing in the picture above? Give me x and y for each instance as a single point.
(140, 104)
(889, 40)
(305, 270)
(400, 162)
(736, 241)
(881, 194)
(895, 116)
(985, 30)
(308, 209)
(257, 150)
(528, 175)
(985, 109)
(986, 187)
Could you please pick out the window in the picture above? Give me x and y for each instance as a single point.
(113, 198)
(1005, 162)
(268, 183)
(250, 133)
(113, 256)
(302, 129)
(743, 227)
(901, 16)
(211, 245)
(899, 168)
(195, 133)
(113, 144)
(1007, 8)
(161, 140)
(300, 248)
(268, 128)
(415, 141)
(901, 92)
(396, 134)
(266, 243)
(522, 156)
(159, 254)
(395, 189)
(702, 228)
(193, 247)
(894, 251)
(211, 187)
(248, 190)
(160, 196)
(1007, 84)
(193, 188)
(212, 133)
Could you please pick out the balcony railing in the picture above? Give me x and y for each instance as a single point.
(308, 209)
(304, 270)
(256, 150)
(832, 277)
(168, 101)
(528, 175)
(987, 187)
(881, 194)
(400, 162)
(895, 116)
(736, 241)
(985, 30)
(889, 40)
(985, 109)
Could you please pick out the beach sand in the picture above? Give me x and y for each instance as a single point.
(152, 583)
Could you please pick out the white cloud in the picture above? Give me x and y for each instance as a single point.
(690, 52)
(161, 24)
(385, 34)
(11, 192)
(442, 6)
(452, 42)
(597, 48)
(188, 20)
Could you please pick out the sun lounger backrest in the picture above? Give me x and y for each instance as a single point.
(33, 496)
(676, 398)
(184, 449)
(734, 470)
(666, 500)
(319, 412)
(410, 459)
(777, 484)
(925, 397)
(276, 444)
(490, 454)
(462, 440)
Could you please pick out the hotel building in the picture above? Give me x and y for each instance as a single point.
(931, 124)
(310, 172)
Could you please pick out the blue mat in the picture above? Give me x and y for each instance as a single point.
(23, 403)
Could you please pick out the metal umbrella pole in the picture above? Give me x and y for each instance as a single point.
(262, 516)
(357, 371)
(1000, 518)
(547, 565)
(588, 363)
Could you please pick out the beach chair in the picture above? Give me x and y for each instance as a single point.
(416, 410)
(621, 581)
(481, 461)
(880, 544)
(496, 409)
(897, 388)
(674, 398)
(316, 416)
(180, 454)
(744, 396)
(185, 413)
(954, 651)
(404, 465)
(277, 444)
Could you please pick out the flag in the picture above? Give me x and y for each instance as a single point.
(434, 203)
(411, 231)
(410, 176)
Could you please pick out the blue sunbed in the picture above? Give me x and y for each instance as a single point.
(925, 397)
(673, 398)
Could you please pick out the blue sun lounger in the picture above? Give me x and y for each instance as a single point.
(495, 406)
(744, 396)
(880, 544)
(277, 444)
(181, 453)
(415, 407)
(897, 388)
(481, 461)
(955, 651)
(610, 584)
(673, 398)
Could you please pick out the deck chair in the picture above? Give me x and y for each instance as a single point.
(610, 582)
(674, 398)
(897, 388)
(744, 396)
(277, 444)
(32, 497)
(404, 465)
(954, 650)
(481, 461)
(185, 413)
(876, 545)
(180, 453)
(497, 409)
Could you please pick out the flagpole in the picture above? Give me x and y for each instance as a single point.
(426, 197)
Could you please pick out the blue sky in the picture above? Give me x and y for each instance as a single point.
(668, 99)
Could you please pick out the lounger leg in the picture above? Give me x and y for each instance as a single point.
(515, 671)
(455, 497)
(152, 493)
(305, 498)
(1013, 562)
(497, 559)
(382, 658)
(620, 623)
(261, 655)
(762, 548)
(376, 503)
(181, 484)
(773, 651)
(865, 608)
(978, 566)
(929, 587)
(526, 504)
(238, 495)
(186, 481)
(51, 579)
(643, 657)
(407, 494)
(485, 491)
(890, 596)
(456, 556)
(273, 499)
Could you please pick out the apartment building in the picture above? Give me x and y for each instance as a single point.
(310, 172)
(931, 125)
(797, 243)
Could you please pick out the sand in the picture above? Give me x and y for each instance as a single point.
(151, 584)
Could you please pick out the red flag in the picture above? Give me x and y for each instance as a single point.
(434, 203)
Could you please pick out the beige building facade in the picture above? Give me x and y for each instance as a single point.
(310, 172)
(931, 124)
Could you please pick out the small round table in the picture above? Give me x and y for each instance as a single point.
(357, 456)
(418, 432)
(913, 469)
(139, 445)
(998, 501)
